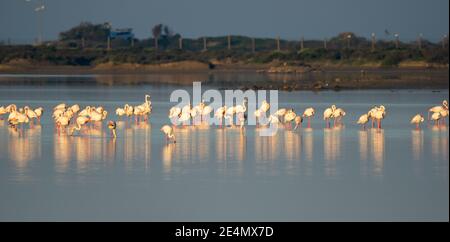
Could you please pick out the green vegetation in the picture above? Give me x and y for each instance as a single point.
(86, 45)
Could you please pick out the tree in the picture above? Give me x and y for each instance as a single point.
(156, 31)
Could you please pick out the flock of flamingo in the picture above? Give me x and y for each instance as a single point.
(65, 116)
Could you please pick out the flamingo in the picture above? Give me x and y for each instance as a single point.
(138, 111)
(379, 115)
(437, 109)
(417, 119)
(308, 113)
(444, 113)
(62, 122)
(128, 110)
(195, 111)
(258, 114)
(328, 114)
(15, 118)
(206, 111)
(363, 119)
(280, 112)
(81, 120)
(39, 111)
(229, 114)
(371, 114)
(436, 117)
(174, 112)
(265, 106)
(75, 108)
(298, 121)
(184, 117)
(120, 112)
(112, 126)
(241, 109)
(289, 117)
(220, 114)
(337, 115)
(30, 113)
(168, 132)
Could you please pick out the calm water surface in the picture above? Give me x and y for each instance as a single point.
(216, 174)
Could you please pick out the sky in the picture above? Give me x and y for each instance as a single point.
(289, 19)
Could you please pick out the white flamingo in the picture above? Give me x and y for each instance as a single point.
(112, 126)
(39, 111)
(308, 113)
(417, 119)
(289, 116)
(379, 115)
(436, 117)
(363, 119)
(174, 114)
(338, 114)
(220, 114)
(298, 122)
(437, 109)
(265, 106)
(328, 114)
(168, 132)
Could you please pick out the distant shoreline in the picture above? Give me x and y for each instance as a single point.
(315, 78)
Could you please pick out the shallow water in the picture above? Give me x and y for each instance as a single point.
(216, 174)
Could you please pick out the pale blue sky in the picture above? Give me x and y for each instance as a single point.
(261, 18)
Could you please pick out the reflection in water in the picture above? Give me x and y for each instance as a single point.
(292, 151)
(439, 150)
(363, 151)
(308, 147)
(62, 152)
(167, 157)
(267, 151)
(417, 149)
(24, 146)
(417, 144)
(137, 145)
(331, 149)
(377, 145)
(231, 148)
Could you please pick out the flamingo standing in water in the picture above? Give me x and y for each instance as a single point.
(174, 113)
(112, 126)
(168, 132)
(379, 115)
(298, 122)
(79, 122)
(30, 114)
(308, 113)
(417, 119)
(328, 114)
(39, 111)
(363, 119)
(241, 109)
(436, 117)
(289, 117)
(220, 114)
(206, 112)
(229, 114)
(265, 106)
(120, 112)
(438, 109)
(337, 115)
(62, 122)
